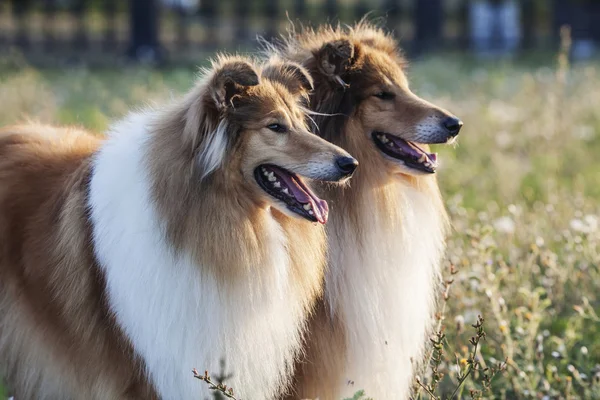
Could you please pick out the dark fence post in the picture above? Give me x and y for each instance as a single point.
(272, 16)
(392, 10)
(299, 10)
(183, 39)
(361, 9)
(49, 15)
(528, 23)
(595, 26)
(242, 18)
(208, 18)
(110, 15)
(3, 39)
(331, 9)
(79, 10)
(144, 45)
(560, 11)
(20, 9)
(429, 19)
(464, 25)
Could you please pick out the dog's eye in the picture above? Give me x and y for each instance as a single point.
(385, 95)
(277, 128)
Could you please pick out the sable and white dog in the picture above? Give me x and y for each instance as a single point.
(185, 237)
(387, 230)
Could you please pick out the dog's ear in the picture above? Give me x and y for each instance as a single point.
(334, 58)
(231, 78)
(205, 126)
(291, 75)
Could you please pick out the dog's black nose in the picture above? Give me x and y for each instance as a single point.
(347, 165)
(452, 125)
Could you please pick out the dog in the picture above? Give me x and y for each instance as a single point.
(185, 238)
(387, 230)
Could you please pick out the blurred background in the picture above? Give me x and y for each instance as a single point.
(97, 31)
(522, 186)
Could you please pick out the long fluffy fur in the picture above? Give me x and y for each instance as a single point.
(386, 238)
(58, 339)
(126, 262)
(160, 297)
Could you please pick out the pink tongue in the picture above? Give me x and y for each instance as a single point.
(304, 195)
(320, 207)
(413, 150)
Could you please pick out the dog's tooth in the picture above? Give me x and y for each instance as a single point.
(277, 184)
(311, 212)
(265, 172)
(423, 158)
(272, 178)
(427, 164)
(286, 191)
(307, 206)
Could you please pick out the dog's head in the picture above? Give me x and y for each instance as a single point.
(359, 78)
(252, 131)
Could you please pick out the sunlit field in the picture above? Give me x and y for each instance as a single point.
(522, 186)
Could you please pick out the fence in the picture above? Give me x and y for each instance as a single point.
(144, 29)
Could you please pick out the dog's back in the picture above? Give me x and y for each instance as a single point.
(57, 339)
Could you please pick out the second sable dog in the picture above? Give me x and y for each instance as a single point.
(387, 228)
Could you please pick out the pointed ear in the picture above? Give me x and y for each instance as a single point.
(334, 58)
(291, 75)
(231, 77)
(205, 126)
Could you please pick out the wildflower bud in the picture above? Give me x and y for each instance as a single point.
(460, 323)
(584, 350)
(546, 386)
(539, 349)
(502, 304)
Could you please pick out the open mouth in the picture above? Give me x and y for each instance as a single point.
(290, 189)
(408, 152)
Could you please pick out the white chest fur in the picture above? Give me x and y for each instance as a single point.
(382, 286)
(177, 315)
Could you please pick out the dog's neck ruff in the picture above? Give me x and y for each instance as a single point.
(177, 315)
(382, 282)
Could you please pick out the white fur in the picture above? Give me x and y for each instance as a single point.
(382, 288)
(428, 130)
(321, 167)
(176, 315)
(212, 154)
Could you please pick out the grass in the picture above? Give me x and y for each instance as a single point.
(522, 188)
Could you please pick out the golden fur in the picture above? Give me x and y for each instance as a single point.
(58, 335)
(350, 65)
